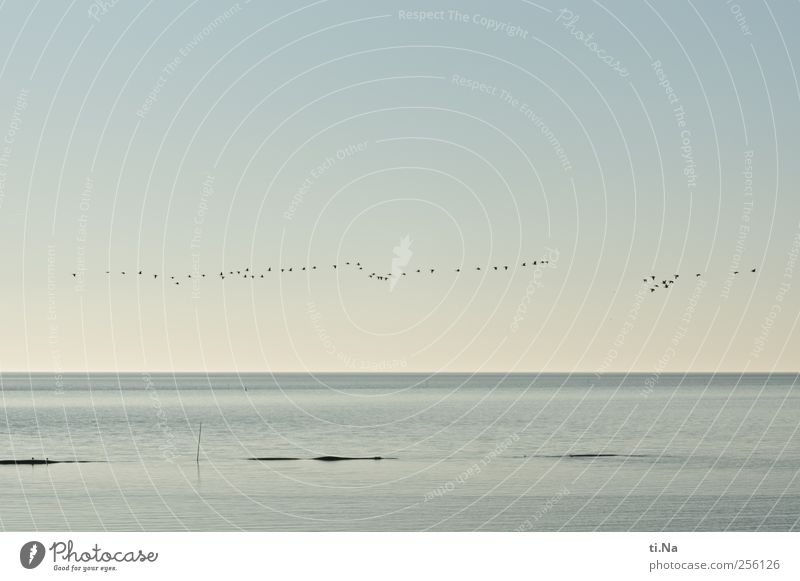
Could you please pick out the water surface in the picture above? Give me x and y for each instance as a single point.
(473, 452)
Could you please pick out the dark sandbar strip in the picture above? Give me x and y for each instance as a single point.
(33, 462)
(603, 455)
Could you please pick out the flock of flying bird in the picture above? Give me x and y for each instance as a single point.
(667, 282)
(248, 273)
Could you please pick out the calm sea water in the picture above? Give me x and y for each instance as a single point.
(480, 452)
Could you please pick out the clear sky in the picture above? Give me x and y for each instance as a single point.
(617, 140)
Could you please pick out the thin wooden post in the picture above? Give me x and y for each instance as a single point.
(199, 435)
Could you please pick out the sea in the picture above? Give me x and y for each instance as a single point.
(458, 452)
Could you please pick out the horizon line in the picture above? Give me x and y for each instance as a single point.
(387, 372)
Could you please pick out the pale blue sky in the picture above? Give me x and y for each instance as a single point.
(142, 102)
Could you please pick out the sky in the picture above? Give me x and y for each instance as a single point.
(615, 141)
